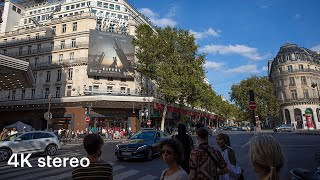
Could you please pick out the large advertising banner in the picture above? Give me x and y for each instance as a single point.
(110, 54)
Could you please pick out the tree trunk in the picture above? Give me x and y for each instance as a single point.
(164, 114)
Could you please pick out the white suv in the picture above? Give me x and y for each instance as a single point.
(29, 142)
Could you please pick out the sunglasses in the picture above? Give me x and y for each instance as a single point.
(167, 152)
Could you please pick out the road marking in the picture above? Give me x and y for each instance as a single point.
(125, 174)
(116, 168)
(55, 177)
(148, 177)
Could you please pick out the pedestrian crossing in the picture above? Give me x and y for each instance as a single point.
(35, 172)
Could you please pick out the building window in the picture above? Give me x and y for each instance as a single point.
(128, 90)
(306, 94)
(70, 74)
(110, 78)
(74, 26)
(59, 75)
(29, 49)
(20, 51)
(77, 5)
(83, 4)
(294, 94)
(292, 82)
(37, 35)
(118, 7)
(25, 21)
(13, 97)
(111, 6)
(67, 7)
(105, 5)
(33, 92)
(54, 29)
(46, 93)
(36, 61)
(14, 8)
(49, 59)
(48, 76)
(122, 90)
(19, 11)
(52, 46)
(123, 80)
(126, 18)
(64, 28)
(301, 67)
(95, 88)
(39, 47)
(57, 92)
(23, 93)
(35, 77)
(96, 77)
(99, 4)
(73, 43)
(60, 58)
(71, 56)
(72, 6)
(109, 88)
(298, 56)
(303, 80)
(287, 57)
(289, 68)
(284, 96)
(62, 44)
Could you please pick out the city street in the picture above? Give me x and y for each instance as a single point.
(299, 151)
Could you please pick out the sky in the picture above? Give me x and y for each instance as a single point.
(239, 37)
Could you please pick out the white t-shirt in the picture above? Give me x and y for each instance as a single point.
(179, 175)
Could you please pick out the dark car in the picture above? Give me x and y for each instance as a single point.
(284, 127)
(144, 144)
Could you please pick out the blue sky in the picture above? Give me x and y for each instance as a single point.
(239, 36)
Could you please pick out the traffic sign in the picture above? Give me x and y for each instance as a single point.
(87, 119)
(148, 123)
(252, 105)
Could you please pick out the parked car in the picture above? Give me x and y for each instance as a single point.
(144, 144)
(29, 142)
(284, 127)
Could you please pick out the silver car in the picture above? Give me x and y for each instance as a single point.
(29, 142)
(284, 127)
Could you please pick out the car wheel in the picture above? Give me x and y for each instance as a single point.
(120, 158)
(149, 155)
(51, 150)
(5, 154)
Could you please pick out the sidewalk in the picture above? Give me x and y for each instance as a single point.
(310, 132)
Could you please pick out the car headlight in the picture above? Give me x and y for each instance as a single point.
(141, 147)
(117, 148)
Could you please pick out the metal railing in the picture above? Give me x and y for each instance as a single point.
(290, 100)
(298, 70)
(61, 63)
(20, 41)
(48, 49)
(109, 92)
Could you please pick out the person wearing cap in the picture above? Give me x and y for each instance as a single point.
(24, 129)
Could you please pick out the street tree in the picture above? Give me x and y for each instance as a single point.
(169, 57)
(263, 88)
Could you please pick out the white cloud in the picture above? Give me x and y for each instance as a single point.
(243, 69)
(316, 48)
(243, 50)
(205, 34)
(160, 21)
(213, 65)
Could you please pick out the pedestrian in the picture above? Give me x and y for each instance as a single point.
(172, 155)
(13, 131)
(104, 135)
(4, 134)
(187, 145)
(24, 129)
(97, 169)
(229, 156)
(266, 156)
(197, 126)
(206, 160)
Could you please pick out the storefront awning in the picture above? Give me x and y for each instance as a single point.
(14, 73)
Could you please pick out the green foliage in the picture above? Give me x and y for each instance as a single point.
(263, 88)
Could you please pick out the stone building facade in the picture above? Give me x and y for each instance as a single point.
(295, 72)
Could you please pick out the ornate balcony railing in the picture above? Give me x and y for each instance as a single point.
(291, 100)
(61, 63)
(109, 92)
(298, 70)
(47, 49)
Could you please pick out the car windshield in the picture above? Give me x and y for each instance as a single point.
(144, 135)
(12, 137)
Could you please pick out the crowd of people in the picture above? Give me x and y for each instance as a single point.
(6, 132)
(195, 161)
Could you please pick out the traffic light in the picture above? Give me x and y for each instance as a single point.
(251, 95)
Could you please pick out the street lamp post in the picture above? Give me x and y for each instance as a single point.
(49, 114)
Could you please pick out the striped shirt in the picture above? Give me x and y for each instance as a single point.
(95, 171)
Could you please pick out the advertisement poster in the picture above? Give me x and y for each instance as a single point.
(110, 54)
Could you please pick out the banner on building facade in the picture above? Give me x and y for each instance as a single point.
(110, 54)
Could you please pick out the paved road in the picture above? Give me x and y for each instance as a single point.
(299, 151)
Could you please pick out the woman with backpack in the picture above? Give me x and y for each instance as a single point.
(187, 145)
(229, 156)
